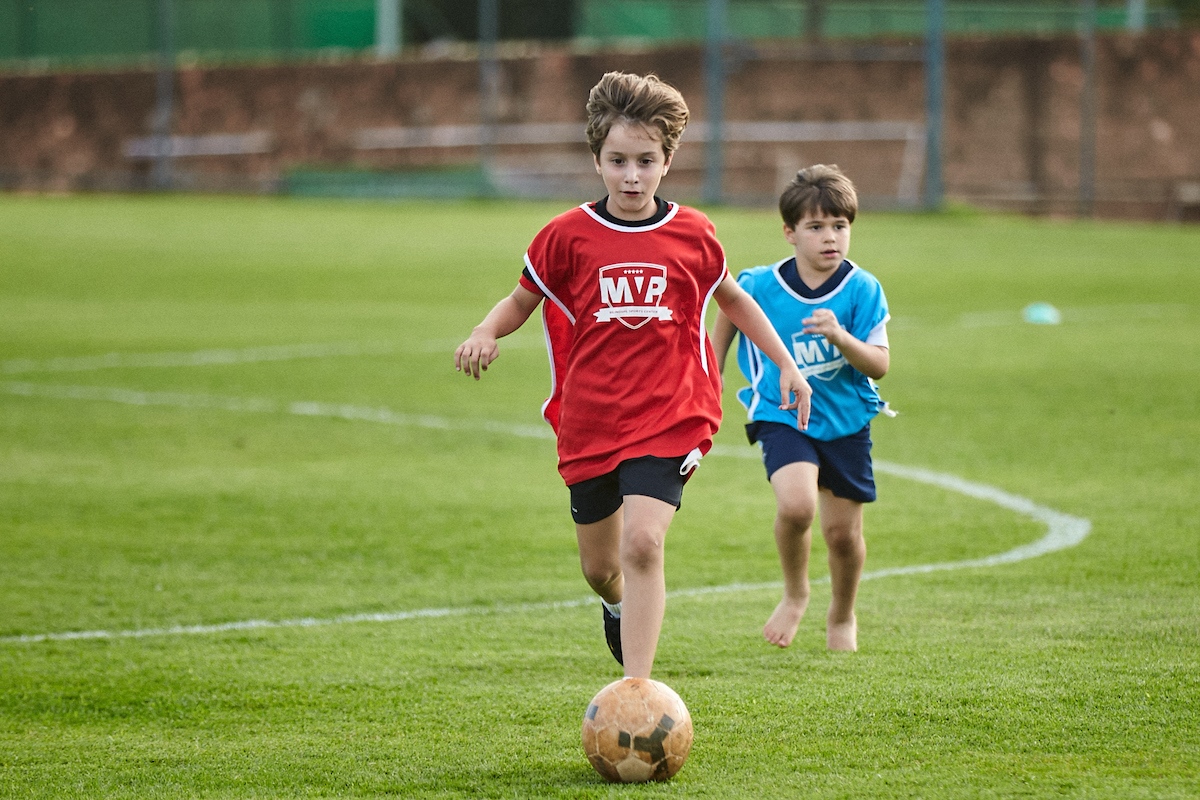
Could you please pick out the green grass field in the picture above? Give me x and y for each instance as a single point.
(258, 539)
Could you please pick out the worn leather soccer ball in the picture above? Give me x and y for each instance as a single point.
(637, 730)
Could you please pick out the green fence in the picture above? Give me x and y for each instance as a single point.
(118, 30)
(445, 182)
(685, 20)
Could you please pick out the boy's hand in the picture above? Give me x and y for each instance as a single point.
(474, 355)
(824, 322)
(797, 394)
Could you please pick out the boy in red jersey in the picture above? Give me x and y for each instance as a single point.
(636, 397)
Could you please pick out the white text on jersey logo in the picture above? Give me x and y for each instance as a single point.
(631, 294)
(816, 357)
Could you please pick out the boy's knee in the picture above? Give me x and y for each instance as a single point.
(799, 516)
(843, 541)
(642, 549)
(600, 573)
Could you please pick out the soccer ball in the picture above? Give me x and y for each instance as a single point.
(637, 730)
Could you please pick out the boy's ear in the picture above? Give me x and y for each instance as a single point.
(667, 163)
(596, 159)
(789, 233)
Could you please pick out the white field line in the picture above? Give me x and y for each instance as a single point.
(290, 352)
(198, 358)
(246, 355)
(1062, 530)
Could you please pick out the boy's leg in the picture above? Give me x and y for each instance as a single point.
(600, 556)
(842, 526)
(600, 559)
(645, 592)
(795, 487)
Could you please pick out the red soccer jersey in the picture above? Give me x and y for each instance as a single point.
(633, 371)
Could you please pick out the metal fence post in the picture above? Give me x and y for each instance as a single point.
(1087, 111)
(489, 85)
(935, 78)
(714, 75)
(164, 92)
(387, 27)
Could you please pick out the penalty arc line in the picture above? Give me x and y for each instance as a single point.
(1062, 530)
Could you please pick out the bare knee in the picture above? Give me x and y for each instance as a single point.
(600, 577)
(795, 516)
(843, 541)
(600, 574)
(642, 549)
(796, 497)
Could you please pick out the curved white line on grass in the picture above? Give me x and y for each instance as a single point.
(1062, 530)
(304, 622)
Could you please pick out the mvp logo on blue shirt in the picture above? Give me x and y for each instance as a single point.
(816, 357)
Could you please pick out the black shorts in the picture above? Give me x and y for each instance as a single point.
(844, 465)
(661, 478)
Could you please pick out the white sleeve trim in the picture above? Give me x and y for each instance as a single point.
(546, 291)
(878, 335)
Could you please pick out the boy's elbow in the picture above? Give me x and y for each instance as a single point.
(874, 374)
(881, 365)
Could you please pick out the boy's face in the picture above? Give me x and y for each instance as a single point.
(820, 242)
(632, 163)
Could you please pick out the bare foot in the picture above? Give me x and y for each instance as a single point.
(842, 635)
(781, 627)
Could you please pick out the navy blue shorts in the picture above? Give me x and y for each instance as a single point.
(844, 464)
(596, 498)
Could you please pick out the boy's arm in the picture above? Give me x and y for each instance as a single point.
(746, 315)
(480, 348)
(871, 360)
(722, 336)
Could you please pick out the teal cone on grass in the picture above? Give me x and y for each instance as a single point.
(1042, 314)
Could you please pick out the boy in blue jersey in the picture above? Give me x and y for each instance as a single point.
(833, 315)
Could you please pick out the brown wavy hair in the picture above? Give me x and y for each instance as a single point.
(819, 189)
(643, 99)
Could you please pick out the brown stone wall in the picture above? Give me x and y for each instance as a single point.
(1013, 123)
(1012, 119)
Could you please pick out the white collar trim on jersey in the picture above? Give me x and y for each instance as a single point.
(812, 301)
(673, 210)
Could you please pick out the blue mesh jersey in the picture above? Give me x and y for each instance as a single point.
(844, 400)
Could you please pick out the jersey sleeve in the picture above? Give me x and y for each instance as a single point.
(527, 282)
(548, 264)
(559, 332)
(871, 311)
(750, 280)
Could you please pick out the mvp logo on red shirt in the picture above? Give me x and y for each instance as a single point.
(631, 294)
